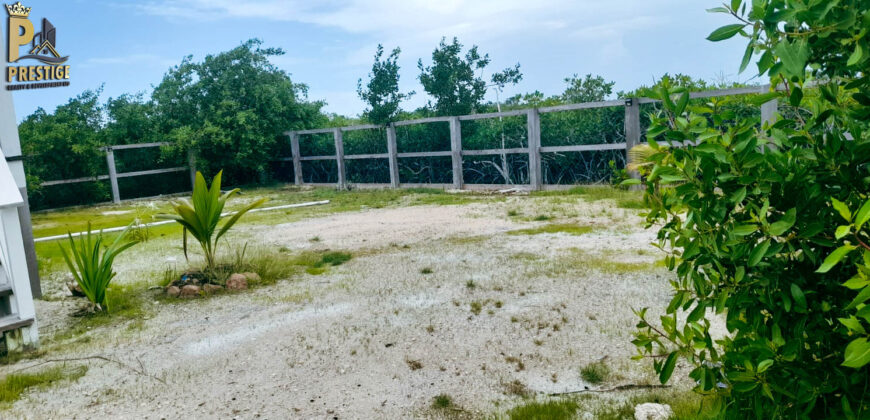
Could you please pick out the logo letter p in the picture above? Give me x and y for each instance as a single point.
(20, 33)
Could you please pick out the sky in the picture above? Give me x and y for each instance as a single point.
(127, 46)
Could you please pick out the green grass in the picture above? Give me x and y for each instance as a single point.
(127, 302)
(544, 410)
(15, 384)
(569, 228)
(442, 401)
(626, 199)
(595, 373)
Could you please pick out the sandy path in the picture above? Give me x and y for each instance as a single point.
(376, 338)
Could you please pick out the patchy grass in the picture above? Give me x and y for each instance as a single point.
(426, 270)
(569, 228)
(544, 410)
(517, 388)
(15, 384)
(476, 307)
(626, 199)
(595, 373)
(577, 260)
(58, 222)
(125, 302)
(442, 401)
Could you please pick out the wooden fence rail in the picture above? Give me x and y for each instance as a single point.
(534, 149)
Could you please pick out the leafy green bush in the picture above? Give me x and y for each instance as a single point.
(91, 265)
(751, 220)
(202, 217)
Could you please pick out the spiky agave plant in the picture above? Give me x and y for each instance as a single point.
(200, 216)
(92, 268)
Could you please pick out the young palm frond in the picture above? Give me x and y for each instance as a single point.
(200, 215)
(92, 268)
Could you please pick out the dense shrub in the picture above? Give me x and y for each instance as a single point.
(756, 220)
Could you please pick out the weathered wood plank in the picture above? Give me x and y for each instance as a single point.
(339, 157)
(585, 105)
(424, 154)
(511, 113)
(456, 151)
(368, 156)
(533, 127)
(583, 147)
(152, 172)
(484, 152)
(323, 157)
(113, 177)
(392, 153)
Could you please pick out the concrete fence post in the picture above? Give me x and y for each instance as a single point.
(456, 152)
(768, 111)
(392, 151)
(191, 165)
(297, 159)
(533, 125)
(339, 157)
(113, 175)
(632, 129)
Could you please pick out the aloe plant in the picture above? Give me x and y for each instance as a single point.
(201, 215)
(91, 266)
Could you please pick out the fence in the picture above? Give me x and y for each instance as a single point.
(532, 148)
(113, 174)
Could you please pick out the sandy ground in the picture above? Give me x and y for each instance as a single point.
(375, 337)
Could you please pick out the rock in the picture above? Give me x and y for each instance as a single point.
(76, 290)
(189, 291)
(252, 277)
(237, 282)
(212, 288)
(652, 411)
(173, 291)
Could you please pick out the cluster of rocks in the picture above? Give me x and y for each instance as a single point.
(194, 288)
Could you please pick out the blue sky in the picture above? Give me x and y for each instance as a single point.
(129, 45)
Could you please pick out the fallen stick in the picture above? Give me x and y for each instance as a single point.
(97, 357)
(627, 387)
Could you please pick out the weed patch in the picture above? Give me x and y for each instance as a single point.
(595, 373)
(568, 228)
(13, 385)
(541, 410)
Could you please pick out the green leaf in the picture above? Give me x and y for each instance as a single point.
(668, 368)
(842, 208)
(743, 230)
(784, 224)
(834, 258)
(764, 365)
(842, 231)
(630, 181)
(758, 253)
(799, 299)
(797, 94)
(856, 283)
(857, 55)
(793, 56)
(857, 353)
(853, 324)
(862, 215)
(725, 32)
(747, 57)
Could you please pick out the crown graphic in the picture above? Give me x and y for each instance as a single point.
(17, 10)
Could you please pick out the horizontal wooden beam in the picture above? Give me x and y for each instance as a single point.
(368, 156)
(718, 92)
(583, 147)
(75, 180)
(136, 145)
(484, 152)
(326, 157)
(422, 121)
(152, 172)
(423, 154)
(361, 127)
(585, 105)
(511, 113)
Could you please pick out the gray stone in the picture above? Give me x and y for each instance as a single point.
(189, 291)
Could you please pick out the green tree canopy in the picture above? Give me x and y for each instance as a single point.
(232, 109)
(381, 93)
(452, 82)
